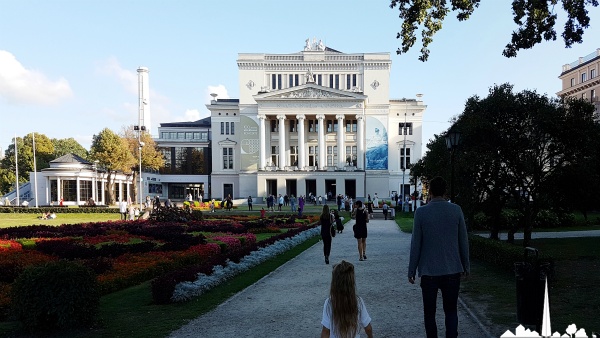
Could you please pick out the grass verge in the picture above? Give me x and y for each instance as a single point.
(572, 293)
(131, 313)
(13, 220)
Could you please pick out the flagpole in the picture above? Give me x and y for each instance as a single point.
(17, 170)
(34, 171)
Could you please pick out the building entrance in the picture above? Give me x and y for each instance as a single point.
(290, 187)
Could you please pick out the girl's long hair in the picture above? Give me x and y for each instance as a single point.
(325, 212)
(344, 303)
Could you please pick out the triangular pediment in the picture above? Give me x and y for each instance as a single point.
(309, 91)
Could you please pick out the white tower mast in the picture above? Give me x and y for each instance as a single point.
(144, 100)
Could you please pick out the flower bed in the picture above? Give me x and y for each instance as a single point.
(124, 254)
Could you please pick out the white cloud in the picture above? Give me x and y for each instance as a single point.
(127, 78)
(21, 85)
(192, 115)
(220, 90)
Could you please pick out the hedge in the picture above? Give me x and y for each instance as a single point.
(62, 210)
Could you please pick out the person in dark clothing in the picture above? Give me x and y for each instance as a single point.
(250, 203)
(326, 221)
(360, 230)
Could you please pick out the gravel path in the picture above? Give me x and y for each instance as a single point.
(289, 301)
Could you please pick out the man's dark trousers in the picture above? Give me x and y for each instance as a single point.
(449, 285)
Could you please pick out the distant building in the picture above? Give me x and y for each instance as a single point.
(186, 148)
(317, 122)
(580, 79)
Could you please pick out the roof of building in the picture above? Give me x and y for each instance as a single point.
(70, 158)
(205, 122)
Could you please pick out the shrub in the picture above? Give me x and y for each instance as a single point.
(59, 295)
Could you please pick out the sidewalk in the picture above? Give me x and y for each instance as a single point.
(544, 234)
(289, 301)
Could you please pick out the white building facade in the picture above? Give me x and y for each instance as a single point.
(317, 122)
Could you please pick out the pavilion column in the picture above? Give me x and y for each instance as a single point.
(282, 160)
(263, 142)
(58, 189)
(341, 150)
(360, 152)
(301, 141)
(321, 162)
(77, 194)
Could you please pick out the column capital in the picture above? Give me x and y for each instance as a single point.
(300, 117)
(340, 116)
(262, 116)
(360, 116)
(320, 116)
(281, 117)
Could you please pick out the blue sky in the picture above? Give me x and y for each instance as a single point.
(68, 68)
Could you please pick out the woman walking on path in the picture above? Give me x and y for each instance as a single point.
(344, 313)
(360, 230)
(326, 231)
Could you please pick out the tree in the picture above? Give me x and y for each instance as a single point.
(113, 155)
(151, 157)
(68, 146)
(43, 153)
(535, 20)
(514, 146)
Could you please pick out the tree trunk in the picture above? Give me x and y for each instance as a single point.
(110, 179)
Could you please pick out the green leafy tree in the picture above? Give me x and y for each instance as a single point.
(68, 146)
(535, 21)
(152, 158)
(43, 154)
(515, 145)
(113, 155)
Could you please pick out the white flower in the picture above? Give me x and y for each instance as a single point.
(186, 290)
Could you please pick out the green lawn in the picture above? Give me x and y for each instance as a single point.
(12, 220)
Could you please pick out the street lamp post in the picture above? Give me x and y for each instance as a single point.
(141, 144)
(95, 190)
(452, 141)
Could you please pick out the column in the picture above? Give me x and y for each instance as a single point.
(262, 119)
(341, 150)
(360, 152)
(321, 160)
(282, 159)
(77, 193)
(301, 142)
(58, 189)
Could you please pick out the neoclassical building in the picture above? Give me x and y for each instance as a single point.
(580, 79)
(317, 122)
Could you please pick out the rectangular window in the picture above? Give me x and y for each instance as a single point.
(572, 81)
(227, 128)
(180, 136)
(313, 152)
(332, 156)
(348, 81)
(232, 128)
(85, 190)
(593, 94)
(320, 79)
(583, 77)
(164, 135)
(188, 136)
(405, 129)
(331, 82)
(337, 81)
(275, 155)
(592, 73)
(351, 155)
(222, 128)
(204, 135)
(196, 135)
(350, 126)
(273, 81)
(353, 80)
(404, 159)
(294, 155)
(312, 126)
(274, 126)
(279, 81)
(293, 126)
(329, 126)
(227, 158)
(291, 80)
